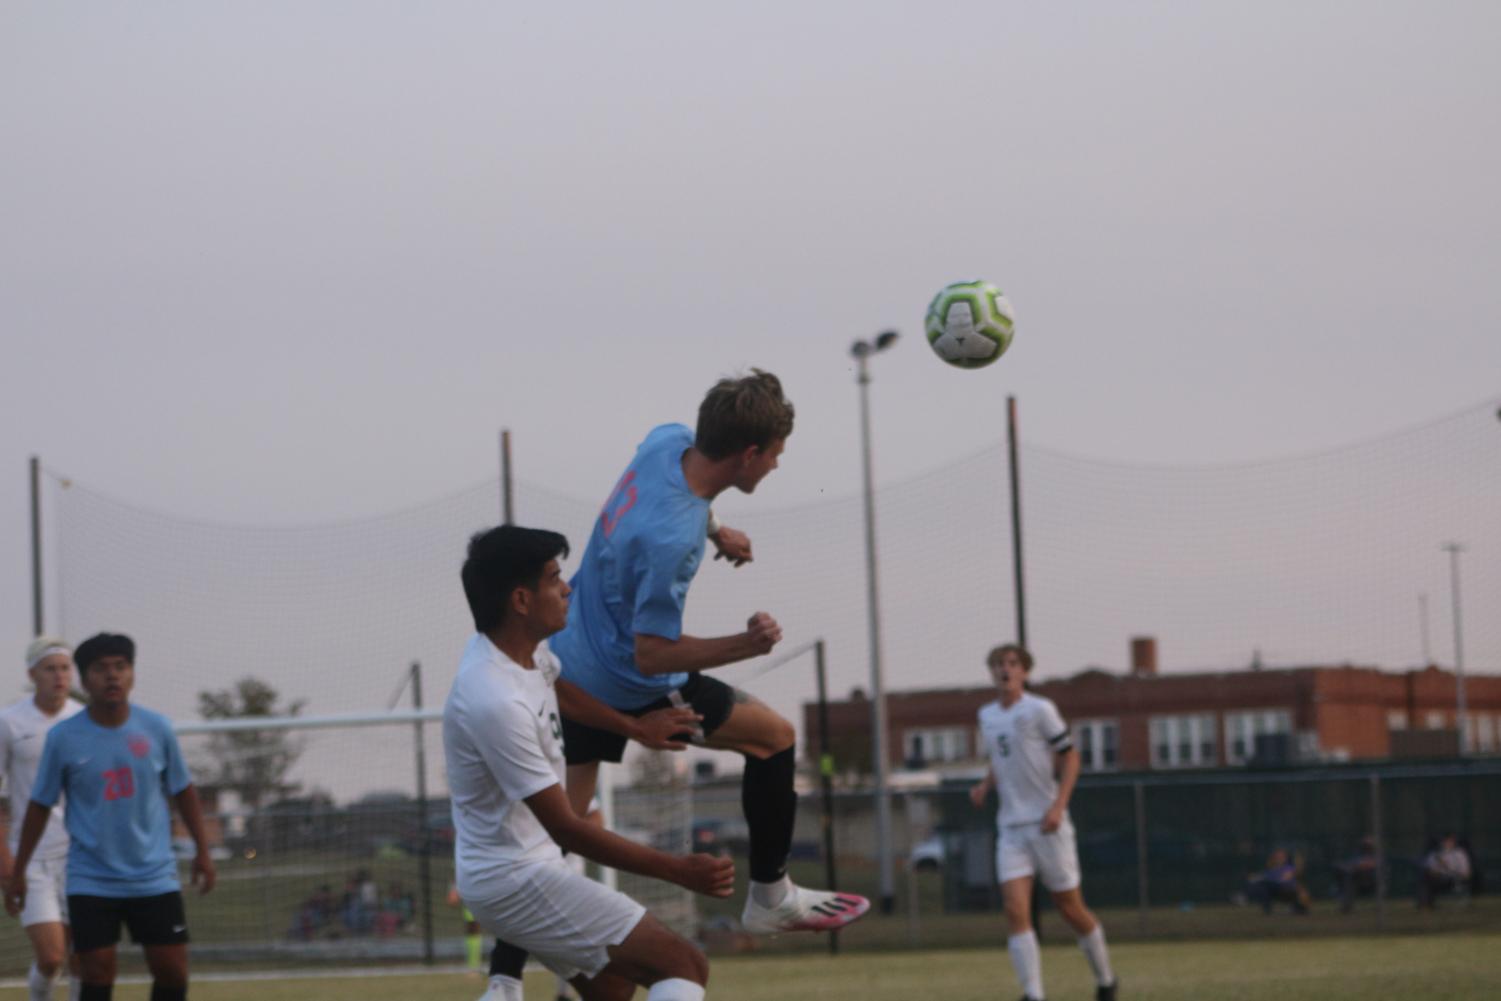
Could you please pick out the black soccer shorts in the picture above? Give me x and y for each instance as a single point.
(158, 920)
(709, 697)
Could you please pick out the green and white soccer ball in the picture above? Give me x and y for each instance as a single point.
(969, 324)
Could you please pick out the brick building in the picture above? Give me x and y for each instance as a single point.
(1146, 720)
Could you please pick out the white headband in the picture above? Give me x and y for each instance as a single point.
(48, 652)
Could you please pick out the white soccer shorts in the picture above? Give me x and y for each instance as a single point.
(1023, 850)
(46, 892)
(565, 920)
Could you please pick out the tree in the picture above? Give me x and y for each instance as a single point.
(252, 763)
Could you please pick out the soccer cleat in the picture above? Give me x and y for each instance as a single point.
(1107, 991)
(804, 910)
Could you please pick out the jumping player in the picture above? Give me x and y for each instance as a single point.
(503, 743)
(625, 646)
(23, 728)
(1029, 743)
(117, 764)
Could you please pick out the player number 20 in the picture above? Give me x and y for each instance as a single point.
(119, 784)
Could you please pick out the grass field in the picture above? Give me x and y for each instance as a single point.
(1458, 967)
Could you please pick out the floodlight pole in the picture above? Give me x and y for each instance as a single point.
(1454, 549)
(507, 509)
(862, 350)
(36, 547)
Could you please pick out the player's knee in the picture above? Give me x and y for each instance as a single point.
(48, 962)
(778, 737)
(687, 962)
(97, 966)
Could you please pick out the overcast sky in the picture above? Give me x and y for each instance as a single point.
(293, 263)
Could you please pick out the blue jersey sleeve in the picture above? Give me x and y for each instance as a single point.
(663, 592)
(49, 773)
(176, 771)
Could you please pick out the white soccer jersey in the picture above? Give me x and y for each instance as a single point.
(503, 742)
(1024, 741)
(23, 731)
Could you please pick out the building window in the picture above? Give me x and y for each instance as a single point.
(1396, 719)
(1243, 727)
(1184, 741)
(1481, 737)
(937, 744)
(1098, 741)
(1433, 719)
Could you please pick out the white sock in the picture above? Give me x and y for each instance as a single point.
(771, 894)
(1027, 959)
(503, 989)
(675, 990)
(1093, 945)
(39, 985)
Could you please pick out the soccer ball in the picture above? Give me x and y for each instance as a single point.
(969, 324)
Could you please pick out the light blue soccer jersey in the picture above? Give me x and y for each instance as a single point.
(118, 780)
(645, 548)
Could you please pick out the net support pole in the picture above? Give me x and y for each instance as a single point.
(424, 836)
(37, 619)
(1143, 899)
(1380, 846)
(507, 507)
(826, 779)
(1016, 521)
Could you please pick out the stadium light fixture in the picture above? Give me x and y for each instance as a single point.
(862, 350)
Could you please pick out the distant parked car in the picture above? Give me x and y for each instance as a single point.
(183, 849)
(928, 854)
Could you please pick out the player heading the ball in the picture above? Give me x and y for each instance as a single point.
(624, 643)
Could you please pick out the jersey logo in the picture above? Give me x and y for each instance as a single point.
(139, 746)
(557, 728)
(622, 499)
(1003, 741)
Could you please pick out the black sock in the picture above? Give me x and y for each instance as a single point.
(770, 806)
(96, 992)
(506, 960)
(160, 993)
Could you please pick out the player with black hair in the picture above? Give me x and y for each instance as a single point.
(117, 764)
(503, 744)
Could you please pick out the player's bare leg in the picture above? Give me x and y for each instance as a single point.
(1026, 957)
(97, 967)
(775, 904)
(168, 965)
(1091, 940)
(655, 957)
(49, 946)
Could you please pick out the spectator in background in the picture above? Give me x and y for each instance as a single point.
(1446, 869)
(1279, 881)
(1357, 874)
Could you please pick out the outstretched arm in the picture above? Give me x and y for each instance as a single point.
(654, 729)
(659, 655)
(706, 874)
